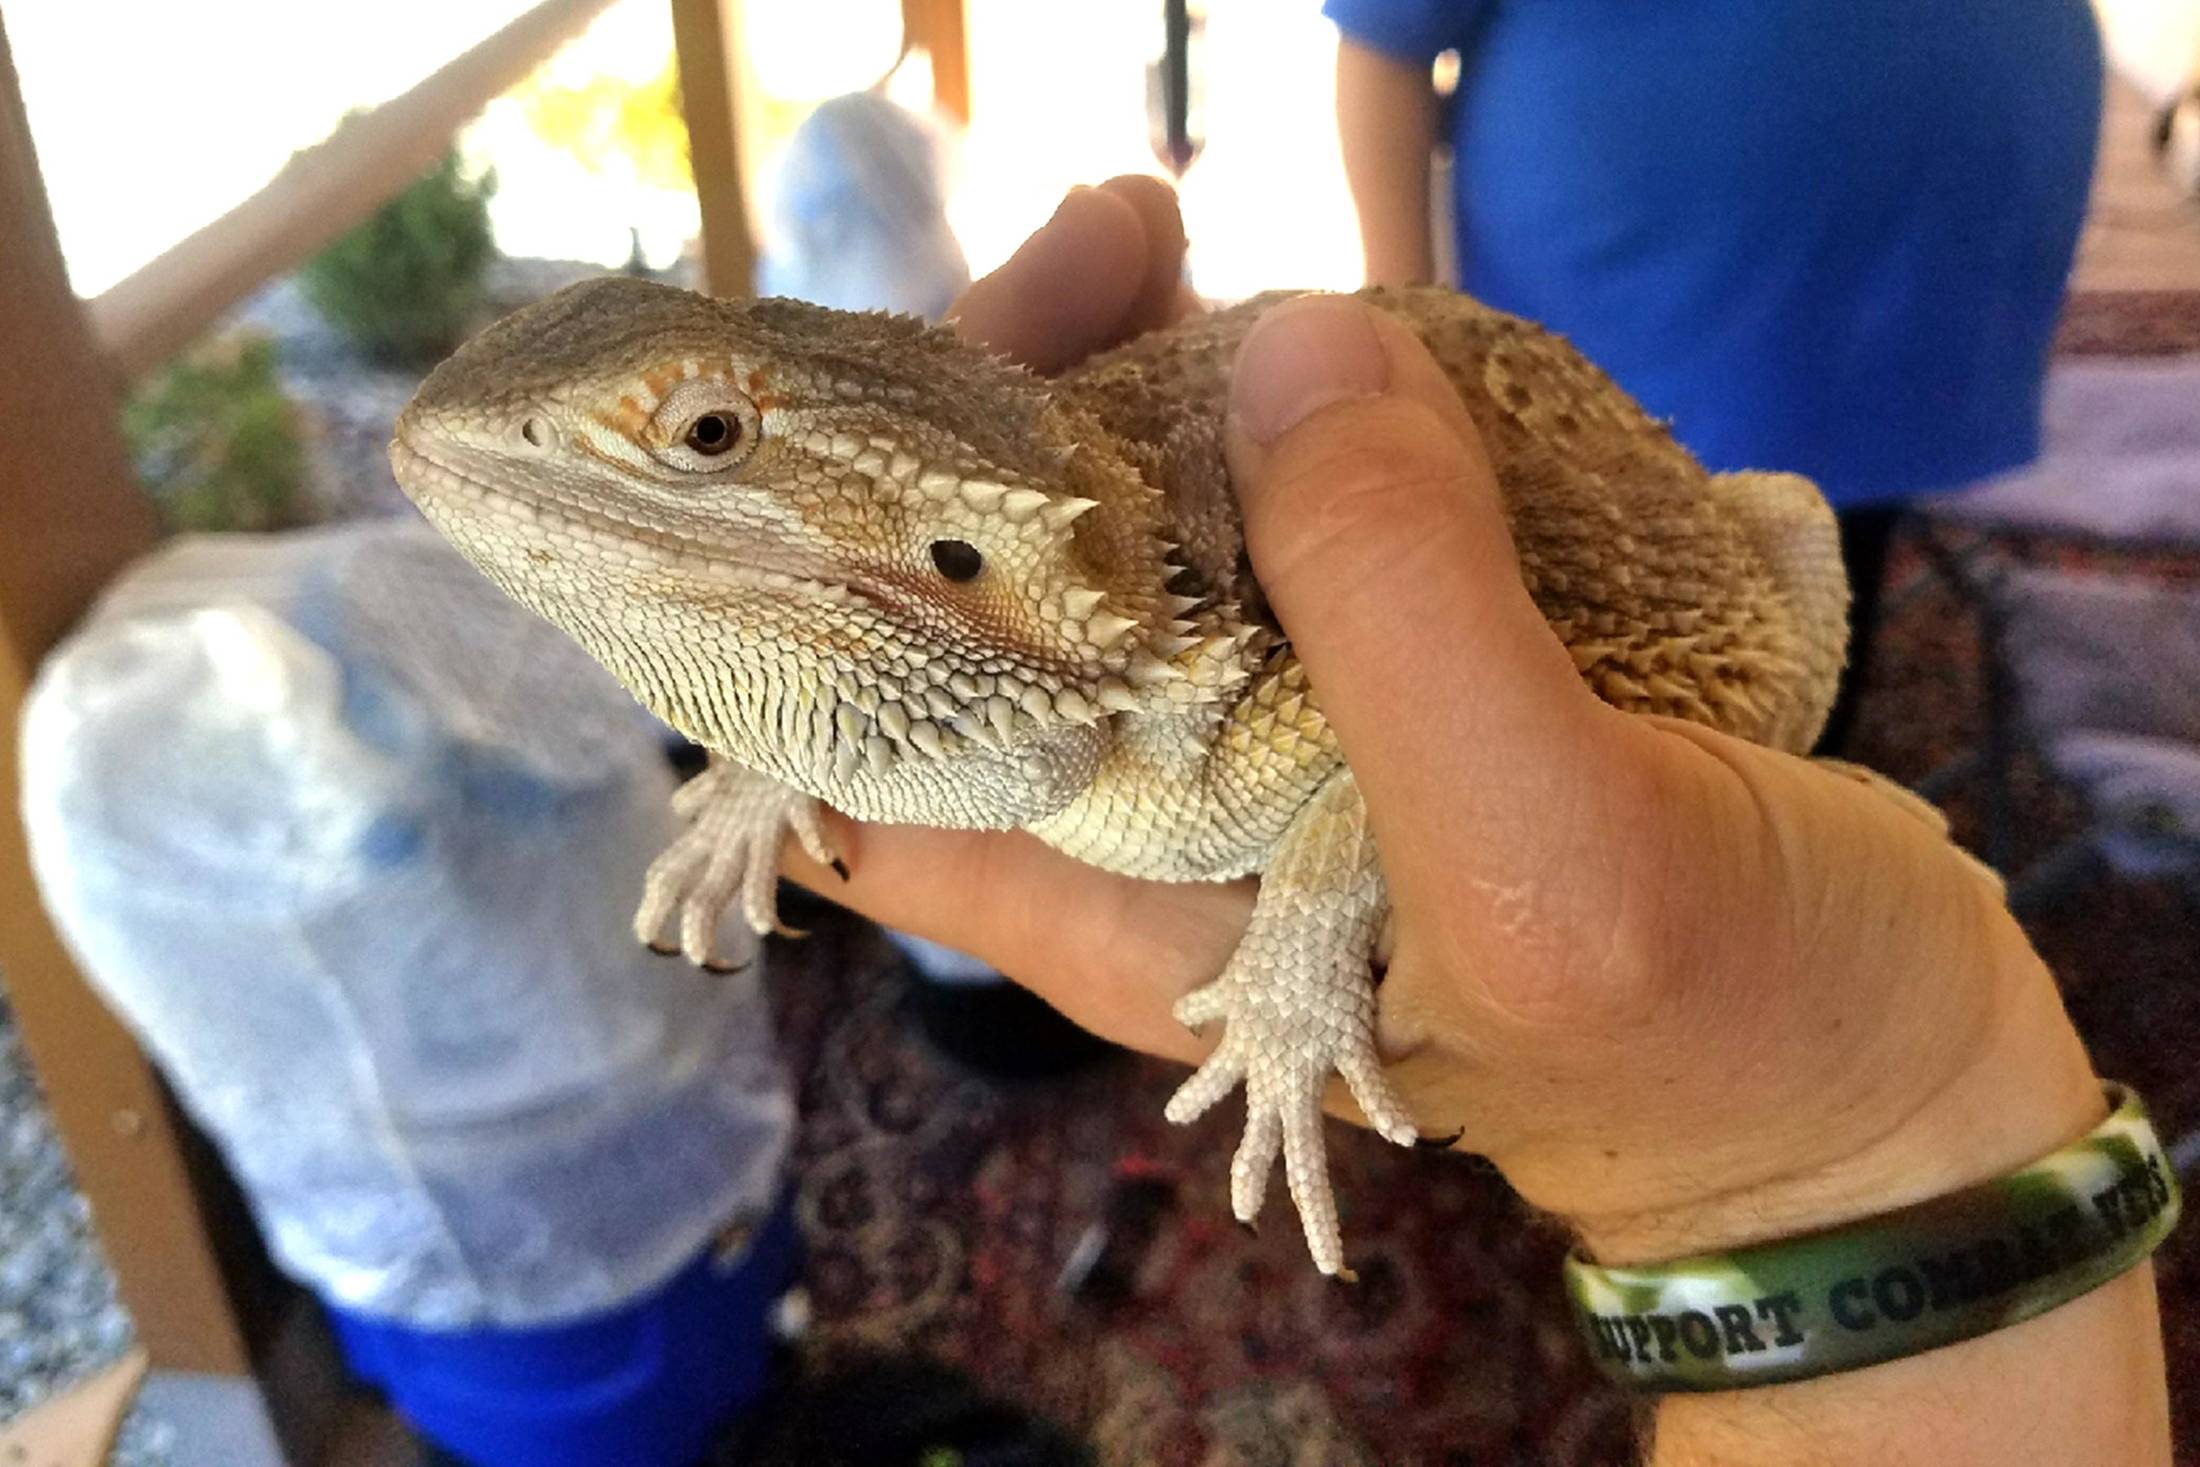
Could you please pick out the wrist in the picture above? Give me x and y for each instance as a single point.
(2083, 1384)
(1907, 1282)
(2027, 1091)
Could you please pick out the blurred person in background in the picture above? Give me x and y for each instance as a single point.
(1825, 239)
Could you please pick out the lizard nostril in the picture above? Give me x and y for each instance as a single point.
(536, 432)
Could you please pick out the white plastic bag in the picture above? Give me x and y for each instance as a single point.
(352, 843)
(859, 213)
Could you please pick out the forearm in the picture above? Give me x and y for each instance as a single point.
(2081, 1385)
(1386, 123)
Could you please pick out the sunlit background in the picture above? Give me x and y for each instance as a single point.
(1059, 97)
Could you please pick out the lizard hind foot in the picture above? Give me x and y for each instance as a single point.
(737, 821)
(1284, 1054)
(1297, 1004)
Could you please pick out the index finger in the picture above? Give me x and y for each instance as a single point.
(1104, 269)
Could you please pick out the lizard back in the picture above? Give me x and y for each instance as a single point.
(1718, 598)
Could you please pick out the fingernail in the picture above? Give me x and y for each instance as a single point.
(1301, 357)
(1075, 190)
(1033, 253)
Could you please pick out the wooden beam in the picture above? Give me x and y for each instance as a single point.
(940, 27)
(321, 192)
(706, 34)
(71, 514)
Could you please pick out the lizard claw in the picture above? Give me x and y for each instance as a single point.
(729, 853)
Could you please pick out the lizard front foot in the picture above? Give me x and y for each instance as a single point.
(1298, 1002)
(737, 821)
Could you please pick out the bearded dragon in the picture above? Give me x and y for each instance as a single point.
(867, 565)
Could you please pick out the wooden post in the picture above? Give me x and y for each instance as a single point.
(938, 26)
(706, 35)
(71, 514)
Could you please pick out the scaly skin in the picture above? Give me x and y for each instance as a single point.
(868, 566)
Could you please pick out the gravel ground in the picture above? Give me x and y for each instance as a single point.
(59, 1318)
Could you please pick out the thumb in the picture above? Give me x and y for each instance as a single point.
(1377, 530)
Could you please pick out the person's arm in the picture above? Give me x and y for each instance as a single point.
(1686, 992)
(2081, 1385)
(1386, 121)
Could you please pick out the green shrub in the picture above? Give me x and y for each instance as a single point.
(404, 285)
(216, 441)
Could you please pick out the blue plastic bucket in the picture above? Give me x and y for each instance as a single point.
(650, 1384)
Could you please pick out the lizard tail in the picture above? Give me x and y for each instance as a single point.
(1792, 526)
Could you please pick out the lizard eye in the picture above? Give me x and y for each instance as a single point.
(958, 560)
(703, 426)
(713, 434)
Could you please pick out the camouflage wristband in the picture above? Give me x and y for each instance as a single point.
(1898, 1284)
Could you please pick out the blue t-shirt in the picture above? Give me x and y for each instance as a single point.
(1828, 236)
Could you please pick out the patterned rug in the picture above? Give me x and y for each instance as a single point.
(941, 1210)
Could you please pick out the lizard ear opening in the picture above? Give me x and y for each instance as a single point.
(958, 560)
(703, 426)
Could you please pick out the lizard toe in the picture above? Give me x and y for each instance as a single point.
(808, 826)
(1376, 1097)
(1208, 1084)
(1203, 1005)
(1255, 1160)
(665, 887)
(1306, 1170)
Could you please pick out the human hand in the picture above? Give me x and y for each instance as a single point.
(1686, 992)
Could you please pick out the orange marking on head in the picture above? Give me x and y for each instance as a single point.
(629, 418)
(756, 385)
(660, 380)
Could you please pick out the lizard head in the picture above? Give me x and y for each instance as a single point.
(850, 538)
